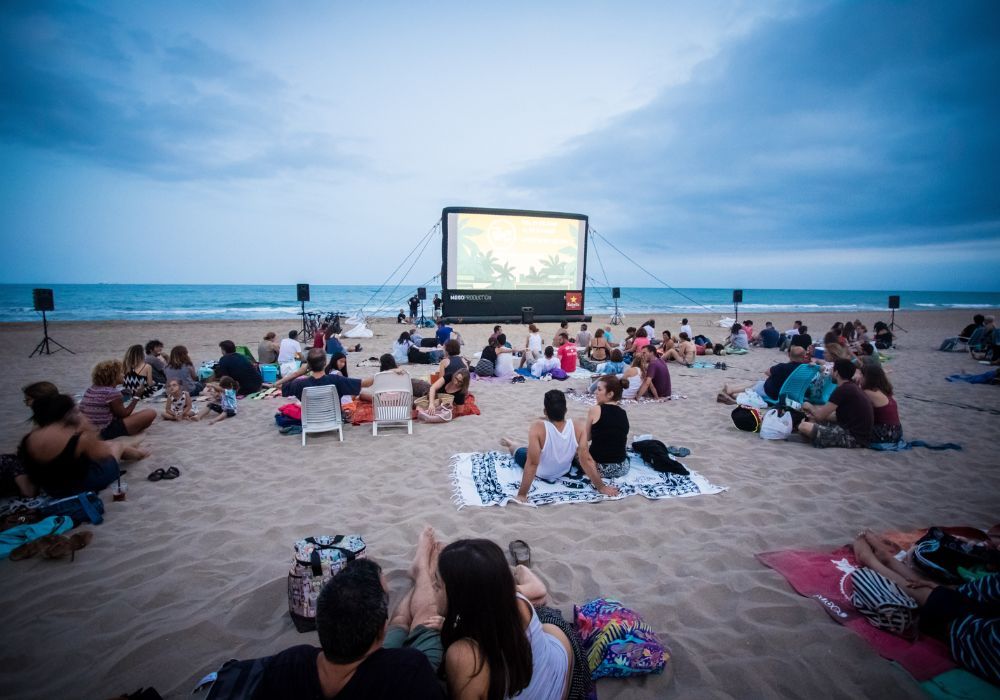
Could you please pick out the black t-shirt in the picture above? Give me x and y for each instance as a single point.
(803, 340)
(490, 353)
(239, 368)
(387, 673)
(346, 386)
(968, 331)
(437, 303)
(854, 411)
(779, 373)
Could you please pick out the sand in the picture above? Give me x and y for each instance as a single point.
(188, 573)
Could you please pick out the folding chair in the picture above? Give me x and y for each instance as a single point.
(392, 401)
(321, 411)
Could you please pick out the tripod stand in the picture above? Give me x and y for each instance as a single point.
(617, 318)
(892, 323)
(303, 312)
(43, 348)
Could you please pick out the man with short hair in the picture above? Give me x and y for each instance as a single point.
(657, 381)
(443, 332)
(437, 306)
(855, 415)
(497, 330)
(786, 337)
(157, 360)
(770, 386)
(351, 616)
(289, 353)
(583, 338)
(238, 367)
(686, 328)
(317, 376)
(769, 337)
(802, 339)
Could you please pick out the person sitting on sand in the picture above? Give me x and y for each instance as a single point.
(489, 357)
(546, 364)
(401, 316)
(238, 367)
(319, 373)
(137, 379)
(495, 646)
(568, 356)
(802, 339)
(769, 387)
(737, 339)
(156, 359)
(267, 349)
(868, 355)
(552, 445)
(854, 414)
(454, 375)
(685, 352)
(584, 337)
(64, 455)
(656, 381)
(886, 427)
(641, 340)
(616, 366)
(748, 329)
(883, 336)
(966, 618)
(221, 400)
(602, 452)
(290, 353)
(667, 343)
(181, 368)
(769, 336)
(598, 349)
(834, 350)
(532, 346)
(14, 479)
(178, 402)
(361, 656)
(103, 406)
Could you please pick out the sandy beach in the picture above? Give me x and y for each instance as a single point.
(188, 573)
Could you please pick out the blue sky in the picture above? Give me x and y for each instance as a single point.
(723, 144)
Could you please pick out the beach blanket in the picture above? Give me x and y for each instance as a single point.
(492, 479)
(363, 412)
(823, 576)
(591, 400)
(10, 504)
(904, 445)
(984, 378)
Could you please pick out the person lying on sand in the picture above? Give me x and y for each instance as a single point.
(770, 386)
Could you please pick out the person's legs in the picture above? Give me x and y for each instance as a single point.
(139, 420)
(915, 587)
(423, 600)
(530, 586)
(831, 435)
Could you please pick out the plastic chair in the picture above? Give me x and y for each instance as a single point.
(796, 385)
(321, 411)
(392, 401)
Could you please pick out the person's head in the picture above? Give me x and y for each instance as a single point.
(599, 333)
(554, 404)
(844, 369)
(666, 335)
(270, 335)
(873, 379)
(179, 357)
(649, 351)
(831, 338)
(641, 333)
(228, 347)
(549, 351)
(796, 353)
(748, 323)
(880, 325)
(453, 348)
(684, 321)
(107, 373)
(386, 362)
(797, 324)
(532, 328)
(583, 326)
(293, 334)
(609, 388)
(404, 337)
(564, 324)
(351, 612)
(987, 321)
(867, 349)
(651, 323)
(52, 409)
(978, 319)
(480, 604)
(837, 328)
(459, 382)
(134, 357)
(718, 348)
(496, 329)
(616, 355)
(684, 336)
(338, 361)
(154, 347)
(173, 387)
(37, 390)
(229, 383)
(630, 331)
(316, 360)
(736, 328)
(768, 324)
(566, 338)
(501, 340)
(440, 323)
(803, 329)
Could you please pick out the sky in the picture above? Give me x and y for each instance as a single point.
(821, 145)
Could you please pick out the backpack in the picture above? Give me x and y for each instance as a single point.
(86, 507)
(235, 680)
(942, 556)
(746, 418)
(316, 561)
(884, 604)
(559, 373)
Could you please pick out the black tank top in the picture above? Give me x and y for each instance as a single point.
(454, 364)
(62, 474)
(609, 435)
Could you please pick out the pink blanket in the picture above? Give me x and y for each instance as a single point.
(824, 576)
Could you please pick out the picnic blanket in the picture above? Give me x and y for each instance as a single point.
(823, 576)
(363, 412)
(492, 479)
(591, 400)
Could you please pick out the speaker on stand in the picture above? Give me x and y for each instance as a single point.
(422, 296)
(44, 301)
(737, 300)
(893, 305)
(302, 292)
(616, 318)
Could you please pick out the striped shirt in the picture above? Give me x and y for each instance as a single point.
(96, 405)
(975, 640)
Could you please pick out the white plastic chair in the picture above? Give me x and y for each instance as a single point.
(392, 401)
(321, 411)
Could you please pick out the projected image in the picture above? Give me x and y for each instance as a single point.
(491, 251)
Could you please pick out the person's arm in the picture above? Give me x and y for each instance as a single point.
(461, 663)
(432, 392)
(291, 377)
(583, 453)
(192, 373)
(187, 405)
(535, 437)
(118, 409)
(92, 447)
(820, 413)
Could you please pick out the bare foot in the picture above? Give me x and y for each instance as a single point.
(134, 453)
(726, 399)
(508, 443)
(882, 548)
(425, 545)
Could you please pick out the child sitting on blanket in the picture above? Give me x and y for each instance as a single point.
(221, 400)
(178, 402)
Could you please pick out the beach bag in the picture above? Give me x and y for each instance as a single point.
(884, 604)
(86, 507)
(235, 680)
(944, 557)
(776, 425)
(559, 373)
(316, 561)
(617, 642)
(746, 418)
(442, 400)
(442, 414)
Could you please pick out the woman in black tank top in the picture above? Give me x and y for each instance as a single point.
(454, 377)
(607, 429)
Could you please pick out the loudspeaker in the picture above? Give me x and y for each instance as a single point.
(527, 314)
(43, 299)
(737, 296)
(616, 292)
(894, 301)
(303, 291)
(422, 293)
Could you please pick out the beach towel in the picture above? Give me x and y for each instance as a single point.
(14, 537)
(904, 445)
(984, 378)
(591, 400)
(959, 684)
(493, 478)
(823, 576)
(362, 411)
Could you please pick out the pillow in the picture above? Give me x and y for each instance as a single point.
(617, 642)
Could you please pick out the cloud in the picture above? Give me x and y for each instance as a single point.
(866, 124)
(75, 81)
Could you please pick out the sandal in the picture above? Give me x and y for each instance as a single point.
(520, 552)
(68, 545)
(171, 473)
(156, 475)
(30, 549)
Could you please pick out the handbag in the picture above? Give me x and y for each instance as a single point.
(442, 400)
(317, 559)
(442, 414)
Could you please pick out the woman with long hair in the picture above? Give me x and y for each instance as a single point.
(181, 367)
(138, 375)
(454, 377)
(337, 363)
(878, 389)
(495, 646)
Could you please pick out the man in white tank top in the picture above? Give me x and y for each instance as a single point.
(552, 445)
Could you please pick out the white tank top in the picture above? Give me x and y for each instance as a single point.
(557, 452)
(535, 342)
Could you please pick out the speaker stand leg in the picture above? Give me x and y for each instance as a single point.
(44, 346)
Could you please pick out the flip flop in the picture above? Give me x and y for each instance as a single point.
(30, 549)
(678, 451)
(171, 473)
(156, 475)
(68, 545)
(520, 552)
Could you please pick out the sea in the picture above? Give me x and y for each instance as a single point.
(99, 302)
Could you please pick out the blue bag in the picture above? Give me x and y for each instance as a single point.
(86, 507)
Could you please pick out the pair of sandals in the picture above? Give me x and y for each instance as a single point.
(54, 546)
(517, 380)
(164, 474)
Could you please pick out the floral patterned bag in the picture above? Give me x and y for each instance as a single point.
(617, 641)
(316, 561)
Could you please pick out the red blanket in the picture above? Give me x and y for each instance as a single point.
(824, 576)
(362, 412)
